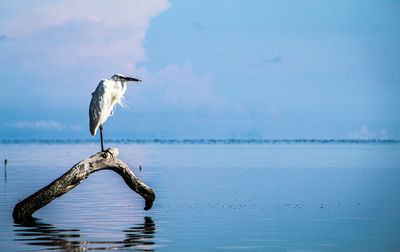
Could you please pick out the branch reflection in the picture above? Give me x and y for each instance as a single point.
(33, 232)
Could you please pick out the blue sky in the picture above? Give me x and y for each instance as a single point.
(210, 69)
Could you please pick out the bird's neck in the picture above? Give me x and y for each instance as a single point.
(123, 86)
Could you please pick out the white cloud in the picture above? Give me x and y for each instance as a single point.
(384, 134)
(95, 32)
(117, 13)
(365, 134)
(40, 125)
(49, 125)
(178, 87)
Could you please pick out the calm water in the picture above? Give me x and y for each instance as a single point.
(244, 196)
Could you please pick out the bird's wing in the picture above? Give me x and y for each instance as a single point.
(97, 104)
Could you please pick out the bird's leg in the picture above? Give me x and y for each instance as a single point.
(101, 137)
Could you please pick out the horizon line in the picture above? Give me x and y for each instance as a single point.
(195, 140)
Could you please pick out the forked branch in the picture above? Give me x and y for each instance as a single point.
(73, 177)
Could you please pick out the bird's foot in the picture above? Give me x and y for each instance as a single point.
(107, 154)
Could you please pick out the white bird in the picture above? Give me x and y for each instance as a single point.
(104, 98)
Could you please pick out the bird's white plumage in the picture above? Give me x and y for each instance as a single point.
(104, 98)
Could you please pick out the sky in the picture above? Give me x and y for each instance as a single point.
(210, 69)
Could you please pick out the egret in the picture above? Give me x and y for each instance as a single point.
(104, 98)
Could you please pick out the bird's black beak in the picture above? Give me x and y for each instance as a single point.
(131, 79)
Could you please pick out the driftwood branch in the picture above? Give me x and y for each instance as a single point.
(73, 177)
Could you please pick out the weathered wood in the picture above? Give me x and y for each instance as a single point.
(73, 177)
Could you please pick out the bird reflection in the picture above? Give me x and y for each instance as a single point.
(33, 232)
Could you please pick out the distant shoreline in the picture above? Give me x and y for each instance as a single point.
(202, 141)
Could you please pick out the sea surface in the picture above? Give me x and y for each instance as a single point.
(212, 195)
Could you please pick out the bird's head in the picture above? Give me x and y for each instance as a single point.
(121, 77)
